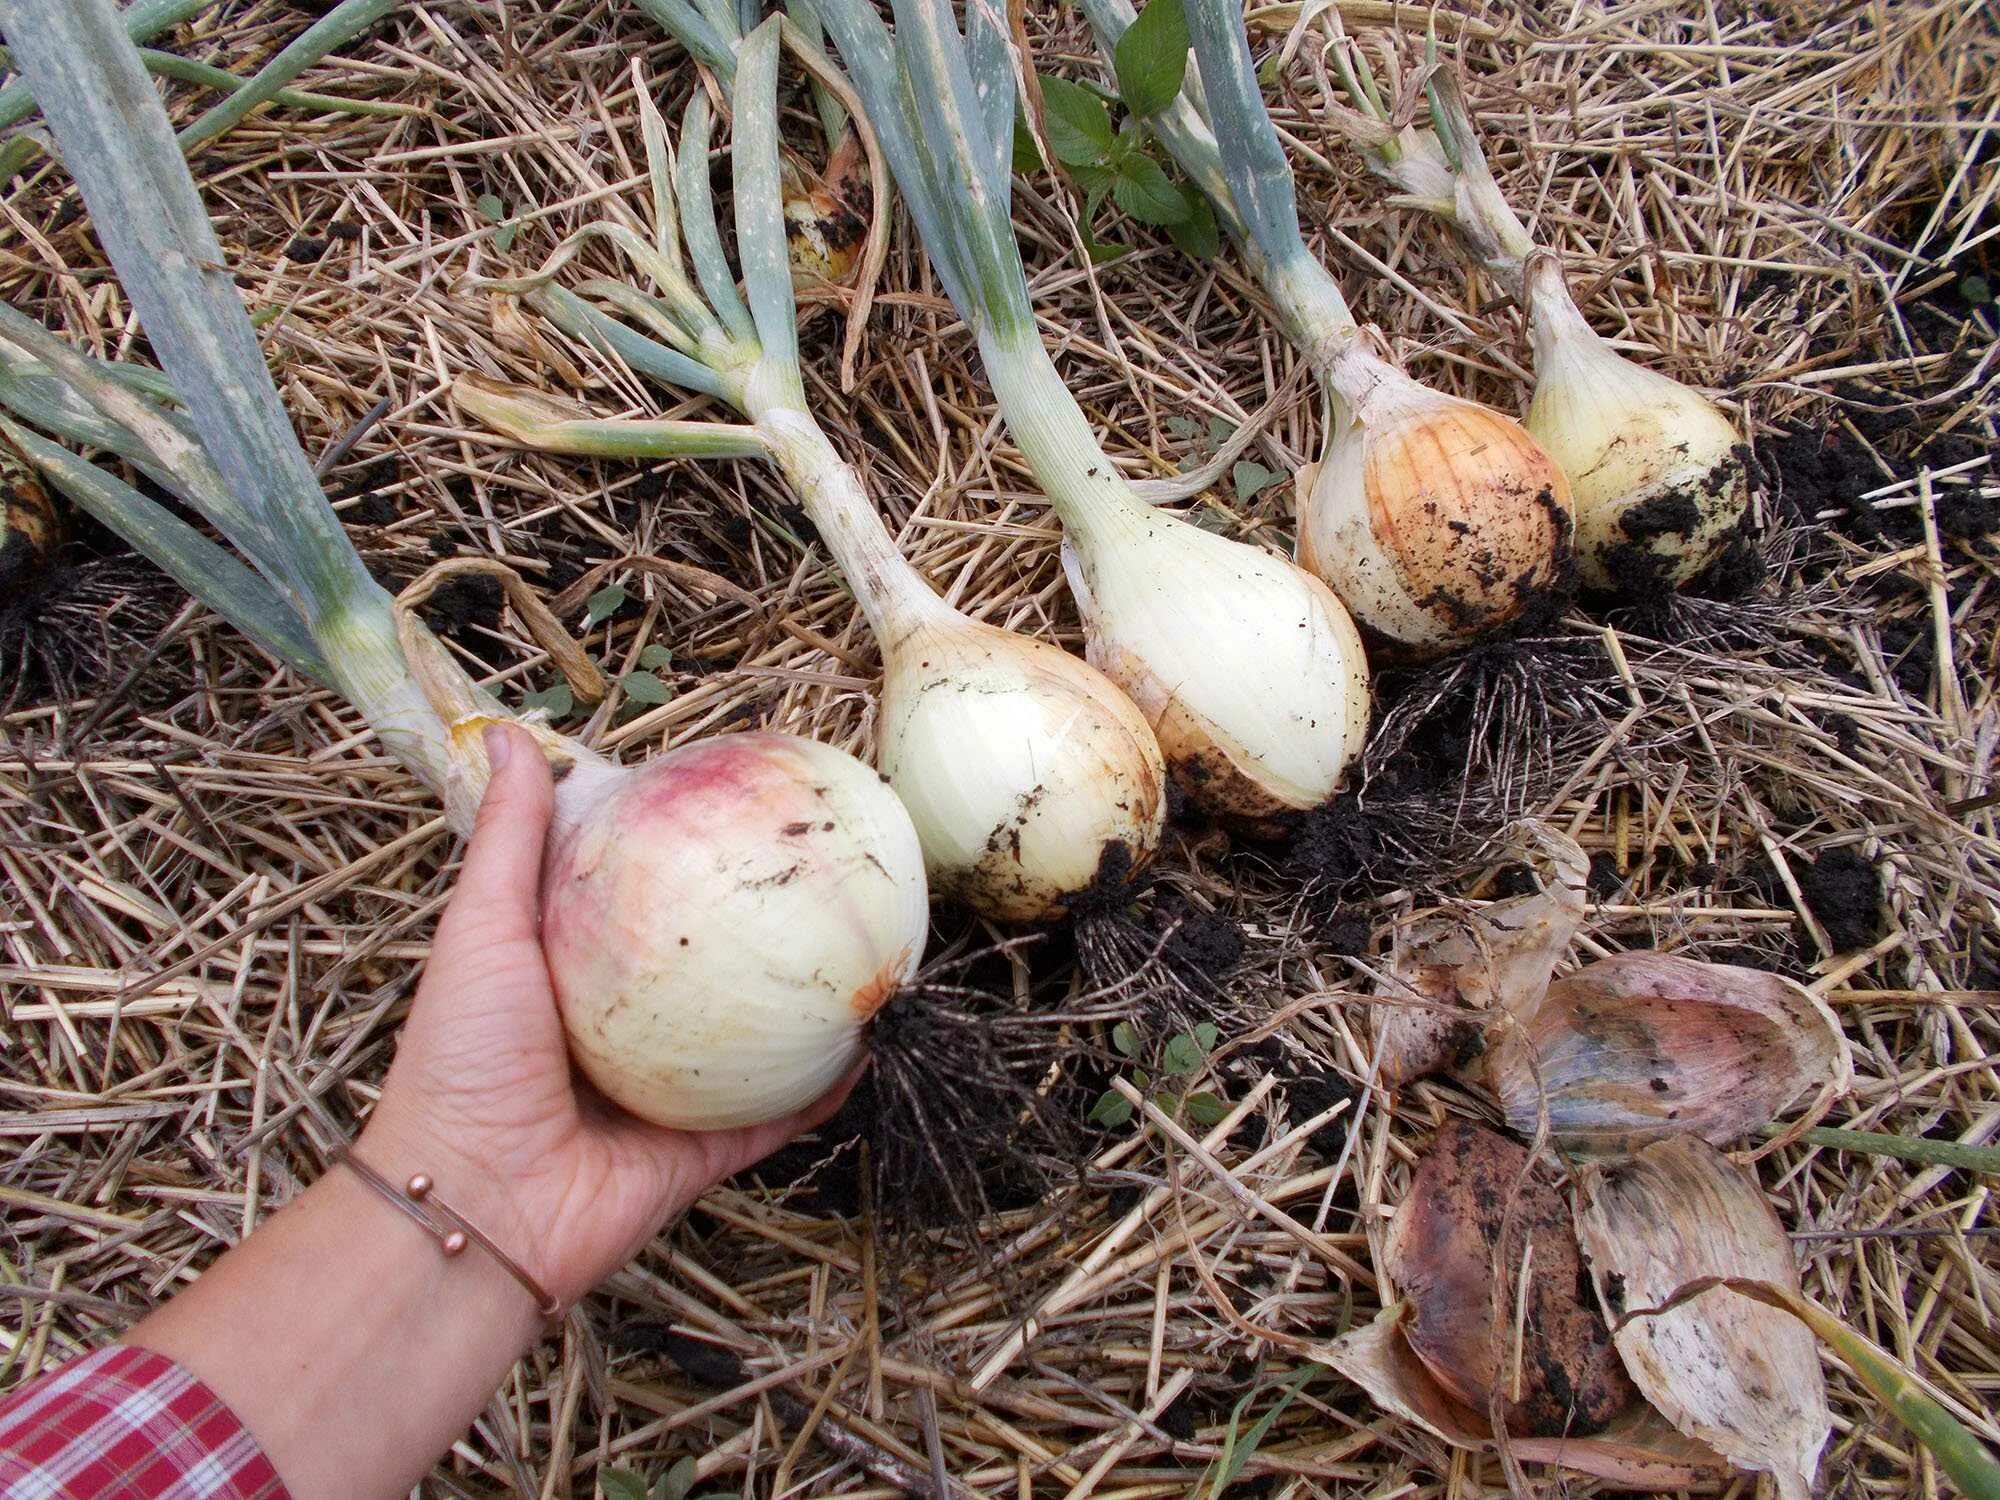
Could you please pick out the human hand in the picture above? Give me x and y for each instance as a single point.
(481, 1095)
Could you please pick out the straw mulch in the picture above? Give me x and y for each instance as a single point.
(217, 889)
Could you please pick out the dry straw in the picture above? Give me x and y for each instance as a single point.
(217, 887)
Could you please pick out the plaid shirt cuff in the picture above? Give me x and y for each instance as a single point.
(128, 1423)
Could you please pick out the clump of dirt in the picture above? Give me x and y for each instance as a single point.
(1824, 468)
(1170, 963)
(1843, 890)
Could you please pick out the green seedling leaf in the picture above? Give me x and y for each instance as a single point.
(1111, 1110)
(493, 208)
(653, 656)
(1027, 155)
(1205, 1110)
(1184, 428)
(1977, 290)
(1144, 191)
(1098, 250)
(621, 1484)
(644, 687)
(1212, 518)
(1239, 1450)
(1267, 71)
(605, 603)
(1252, 478)
(1206, 1034)
(1198, 235)
(1183, 1055)
(556, 702)
(676, 1482)
(1151, 58)
(1221, 430)
(1079, 125)
(1126, 1039)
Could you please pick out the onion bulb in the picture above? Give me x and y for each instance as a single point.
(1030, 778)
(1437, 520)
(1250, 672)
(722, 923)
(1655, 469)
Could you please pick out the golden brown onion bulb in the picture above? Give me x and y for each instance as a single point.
(1437, 520)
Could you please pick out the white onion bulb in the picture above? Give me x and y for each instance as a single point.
(1250, 672)
(722, 922)
(1436, 520)
(1655, 469)
(1029, 776)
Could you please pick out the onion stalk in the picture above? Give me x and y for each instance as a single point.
(722, 921)
(1437, 520)
(1656, 471)
(1032, 780)
(1248, 668)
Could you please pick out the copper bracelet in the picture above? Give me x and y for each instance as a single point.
(416, 1201)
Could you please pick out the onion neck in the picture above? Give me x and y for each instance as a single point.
(1555, 323)
(1090, 497)
(357, 635)
(1491, 229)
(892, 594)
(1310, 302)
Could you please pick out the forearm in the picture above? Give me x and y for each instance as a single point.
(354, 1351)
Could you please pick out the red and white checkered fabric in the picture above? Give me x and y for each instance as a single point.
(128, 1423)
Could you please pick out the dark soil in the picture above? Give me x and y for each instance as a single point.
(1843, 890)
(1447, 737)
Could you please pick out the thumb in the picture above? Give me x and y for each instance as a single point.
(499, 884)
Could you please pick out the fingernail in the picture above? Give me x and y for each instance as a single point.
(499, 746)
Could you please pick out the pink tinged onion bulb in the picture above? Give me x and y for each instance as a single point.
(722, 922)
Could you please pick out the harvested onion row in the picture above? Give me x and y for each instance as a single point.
(1656, 471)
(1437, 520)
(725, 919)
(1248, 668)
(1031, 778)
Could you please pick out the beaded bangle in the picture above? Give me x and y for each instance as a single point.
(416, 1201)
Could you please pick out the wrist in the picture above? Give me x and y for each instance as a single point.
(478, 1192)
